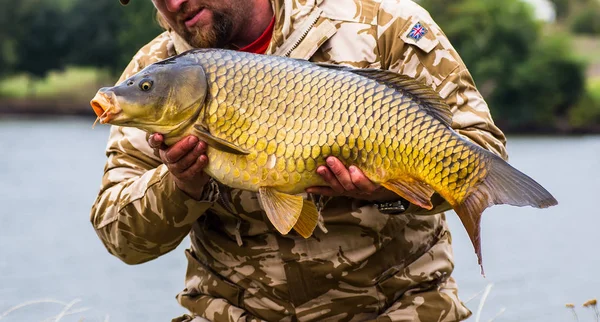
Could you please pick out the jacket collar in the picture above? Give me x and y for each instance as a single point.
(299, 29)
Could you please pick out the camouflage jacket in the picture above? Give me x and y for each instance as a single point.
(368, 265)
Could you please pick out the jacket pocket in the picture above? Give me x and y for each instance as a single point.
(202, 280)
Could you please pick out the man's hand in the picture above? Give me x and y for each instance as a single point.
(350, 182)
(185, 160)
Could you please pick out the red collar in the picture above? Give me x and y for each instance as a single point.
(260, 45)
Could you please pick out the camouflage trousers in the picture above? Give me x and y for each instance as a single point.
(438, 304)
(410, 295)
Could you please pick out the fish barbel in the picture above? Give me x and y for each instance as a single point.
(271, 121)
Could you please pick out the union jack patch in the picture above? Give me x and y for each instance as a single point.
(417, 32)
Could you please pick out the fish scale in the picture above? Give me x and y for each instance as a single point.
(320, 86)
(271, 121)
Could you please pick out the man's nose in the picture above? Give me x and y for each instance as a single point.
(174, 5)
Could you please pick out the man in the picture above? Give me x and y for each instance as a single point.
(362, 263)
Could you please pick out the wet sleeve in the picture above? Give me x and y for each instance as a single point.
(140, 213)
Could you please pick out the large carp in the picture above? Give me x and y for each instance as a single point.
(271, 121)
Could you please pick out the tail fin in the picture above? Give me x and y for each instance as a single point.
(502, 185)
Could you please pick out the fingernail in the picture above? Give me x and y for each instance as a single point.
(193, 140)
(330, 162)
(352, 169)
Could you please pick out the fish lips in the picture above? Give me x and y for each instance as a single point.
(106, 106)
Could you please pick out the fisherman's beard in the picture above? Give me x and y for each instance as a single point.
(217, 35)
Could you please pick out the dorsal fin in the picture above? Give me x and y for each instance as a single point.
(429, 99)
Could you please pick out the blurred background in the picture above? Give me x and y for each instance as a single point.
(536, 62)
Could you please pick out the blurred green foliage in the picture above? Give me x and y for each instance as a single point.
(587, 20)
(37, 36)
(530, 81)
(562, 8)
(582, 16)
(72, 83)
(586, 114)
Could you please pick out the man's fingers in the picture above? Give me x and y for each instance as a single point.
(199, 164)
(180, 149)
(187, 160)
(341, 173)
(156, 141)
(361, 181)
(330, 178)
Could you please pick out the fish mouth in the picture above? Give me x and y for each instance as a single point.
(106, 106)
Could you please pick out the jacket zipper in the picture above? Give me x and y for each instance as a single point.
(303, 35)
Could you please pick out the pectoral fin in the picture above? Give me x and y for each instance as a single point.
(282, 209)
(414, 191)
(218, 143)
(309, 217)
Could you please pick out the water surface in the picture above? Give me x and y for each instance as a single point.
(50, 172)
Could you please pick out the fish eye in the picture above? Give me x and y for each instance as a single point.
(146, 85)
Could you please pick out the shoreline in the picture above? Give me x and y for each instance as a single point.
(50, 109)
(45, 108)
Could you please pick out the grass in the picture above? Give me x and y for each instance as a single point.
(486, 291)
(66, 309)
(591, 305)
(74, 83)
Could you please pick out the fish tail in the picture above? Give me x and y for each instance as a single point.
(503, 184)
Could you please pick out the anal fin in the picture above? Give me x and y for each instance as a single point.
(308, 220)
(283, 210)
(416, 192)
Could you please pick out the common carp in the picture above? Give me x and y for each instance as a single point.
(271, 121)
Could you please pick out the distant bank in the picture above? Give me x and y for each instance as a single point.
(43, 108)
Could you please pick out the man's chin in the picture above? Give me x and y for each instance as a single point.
(204, 36)
(202, 40)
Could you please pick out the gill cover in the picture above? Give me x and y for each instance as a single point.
(164, 96)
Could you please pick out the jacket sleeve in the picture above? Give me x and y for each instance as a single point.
(434, 61)
(140, 213)
(427, 55)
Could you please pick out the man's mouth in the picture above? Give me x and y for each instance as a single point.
(193, 17)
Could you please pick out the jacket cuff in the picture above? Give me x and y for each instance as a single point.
(175, 196)
(210, 192)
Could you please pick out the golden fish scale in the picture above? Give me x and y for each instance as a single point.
(291, 118)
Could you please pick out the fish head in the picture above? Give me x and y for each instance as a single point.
(161, 98)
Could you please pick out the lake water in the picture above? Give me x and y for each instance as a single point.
(50, 172)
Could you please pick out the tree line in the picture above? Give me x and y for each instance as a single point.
(37, 36)
(530, 78)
